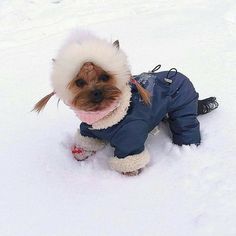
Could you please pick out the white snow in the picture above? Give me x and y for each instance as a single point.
(184, 190)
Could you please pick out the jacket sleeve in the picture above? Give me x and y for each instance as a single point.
(85, 139)
(130, 139)
(130, 153)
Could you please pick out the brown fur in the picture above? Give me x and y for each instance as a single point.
(42, 103)
(90, 73)
(143, 92)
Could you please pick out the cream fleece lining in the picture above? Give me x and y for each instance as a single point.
(118, 114)
(130, 163)
(75, 53)
(89, 144)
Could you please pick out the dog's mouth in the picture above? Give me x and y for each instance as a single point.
(94, 104)
(97, 99)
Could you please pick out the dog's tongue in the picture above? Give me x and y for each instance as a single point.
(90, 117)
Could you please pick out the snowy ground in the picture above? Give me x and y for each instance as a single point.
(184, 190)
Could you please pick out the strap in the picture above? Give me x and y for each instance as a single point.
(171, 70)
(156, 68)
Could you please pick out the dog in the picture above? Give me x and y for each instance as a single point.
(92, 76)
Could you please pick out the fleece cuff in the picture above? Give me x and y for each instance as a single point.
(130, 163)
(88, 143)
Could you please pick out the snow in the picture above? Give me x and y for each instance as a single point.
(184, 190)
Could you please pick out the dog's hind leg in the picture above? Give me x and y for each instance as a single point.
(184, 124)
(207, 105)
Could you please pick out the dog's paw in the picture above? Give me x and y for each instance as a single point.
(79, 157)
(80, 154)
(132, 173)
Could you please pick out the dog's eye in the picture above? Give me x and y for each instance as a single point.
(80, 83)
(104, 77)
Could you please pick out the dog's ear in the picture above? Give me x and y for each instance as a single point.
(116, 44)
(42, 103)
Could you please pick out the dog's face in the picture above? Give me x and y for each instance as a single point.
(93, 88)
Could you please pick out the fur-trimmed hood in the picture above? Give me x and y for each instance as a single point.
(84, 47)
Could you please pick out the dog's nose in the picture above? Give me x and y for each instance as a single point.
(97, 95)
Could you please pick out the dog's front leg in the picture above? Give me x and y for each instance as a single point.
(130, 165)
(85, 146)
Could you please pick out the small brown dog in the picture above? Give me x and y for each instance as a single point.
(92, 76)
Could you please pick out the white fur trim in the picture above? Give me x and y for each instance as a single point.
(89, 49)
(118, 114)
(89, 144)
(130, 163)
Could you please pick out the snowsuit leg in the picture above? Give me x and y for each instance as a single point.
(184, 124)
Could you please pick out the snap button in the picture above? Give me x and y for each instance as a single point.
(169, 81)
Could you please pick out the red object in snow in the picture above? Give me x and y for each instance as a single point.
(76, 150)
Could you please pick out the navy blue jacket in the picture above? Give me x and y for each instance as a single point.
(175, 97)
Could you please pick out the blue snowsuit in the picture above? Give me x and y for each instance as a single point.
(175, 97)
